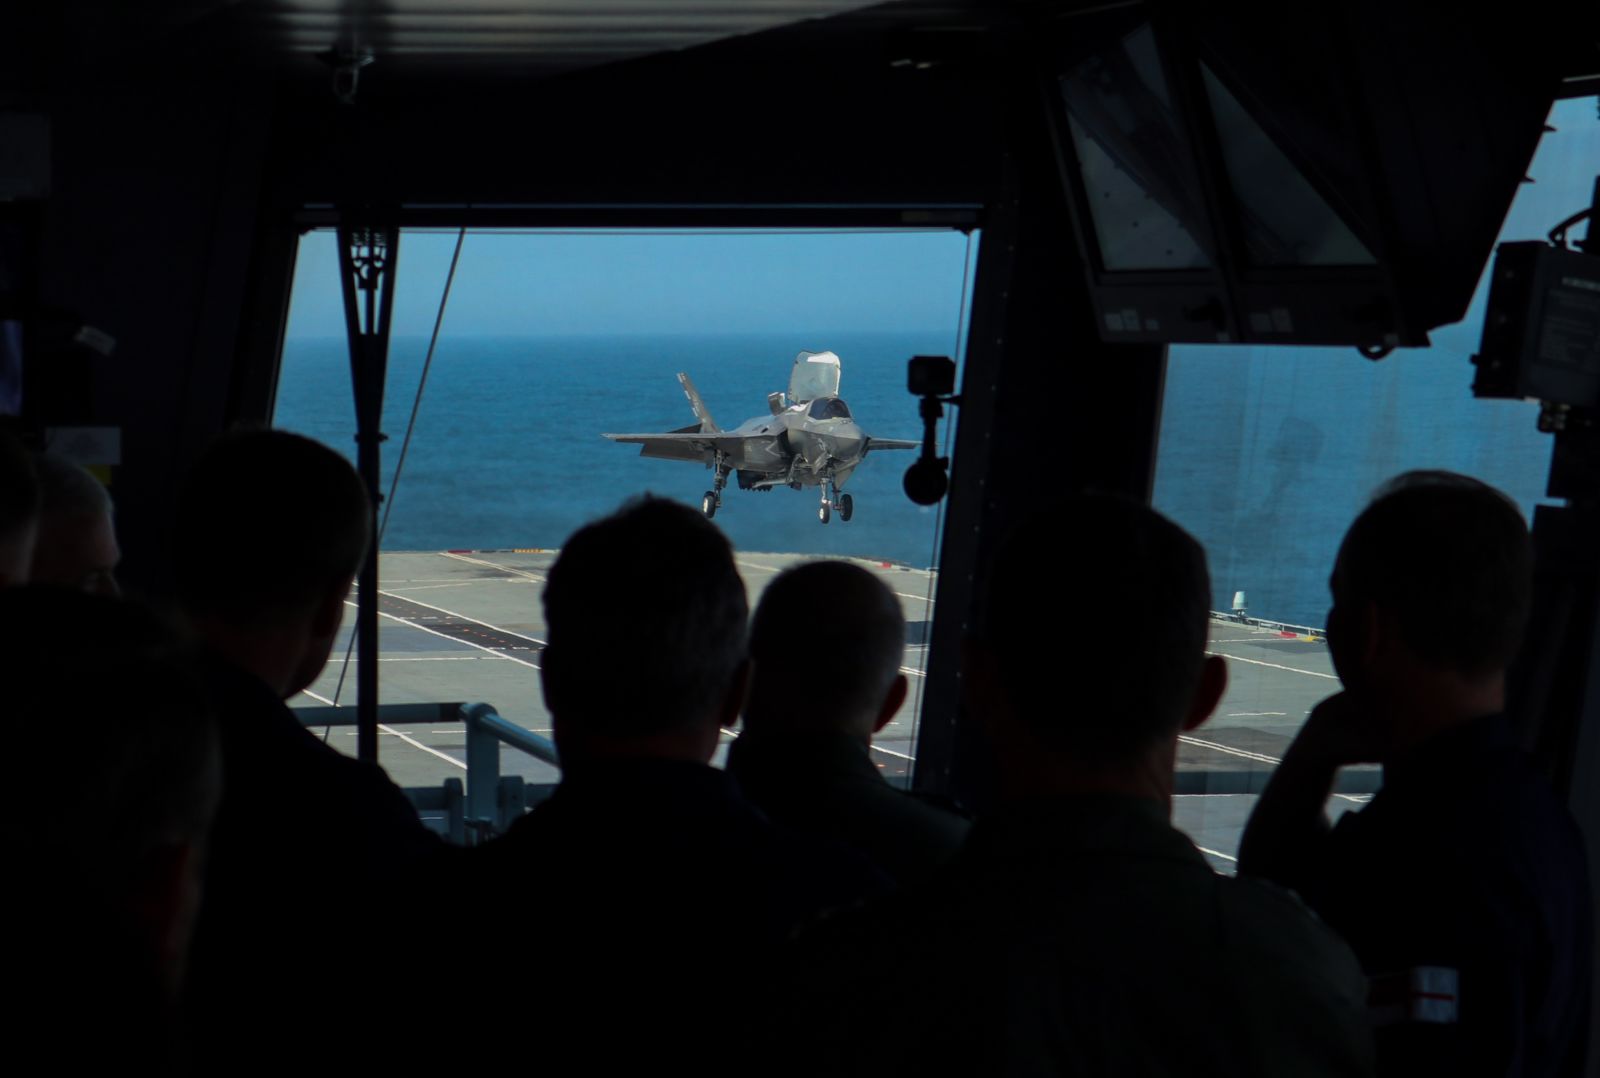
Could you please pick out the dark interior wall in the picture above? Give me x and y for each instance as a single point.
(753, 121)
(147, 236)
(1048, 409)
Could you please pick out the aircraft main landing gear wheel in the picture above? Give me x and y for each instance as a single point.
(824, 513)
(846, 507)
(708, 505)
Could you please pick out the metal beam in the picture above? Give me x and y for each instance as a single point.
(367, 257)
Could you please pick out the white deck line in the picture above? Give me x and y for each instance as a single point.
(891, 752)
(1275, 666)
(493, 565)
(1258, 757)
(434, 632)
(463, 617)
(414, 743)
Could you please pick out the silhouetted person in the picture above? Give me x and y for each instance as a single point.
(1462, 886)
(654, 894)
(114, 778)
(1077, 932)
(826, 643)
(19, 511)
(311, 847)
(77, 538)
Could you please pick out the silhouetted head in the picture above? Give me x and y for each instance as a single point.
(77, 540)
(1443, 561)
(1093, 636)
(270, 531)
(116, 830)
(19, 511)
(646, 624)
(826, 643)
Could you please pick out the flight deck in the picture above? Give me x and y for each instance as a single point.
(468, 626)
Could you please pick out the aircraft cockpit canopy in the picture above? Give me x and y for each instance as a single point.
(829, 408)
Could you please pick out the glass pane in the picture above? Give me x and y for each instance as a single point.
(1268, 453)
(1131, 156)
(1285, 221)
(551, 339)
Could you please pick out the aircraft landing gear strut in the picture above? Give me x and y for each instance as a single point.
(833, 500)
(713, 499)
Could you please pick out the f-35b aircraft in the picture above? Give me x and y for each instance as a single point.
(809, 440)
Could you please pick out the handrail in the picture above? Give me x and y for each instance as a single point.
(487, 730)
(1263, 623)
(487, 719)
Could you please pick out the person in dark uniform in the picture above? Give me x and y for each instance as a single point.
(311, 847)
(826, 643)
(1463, 885)
(1077, 932)
(657, 895)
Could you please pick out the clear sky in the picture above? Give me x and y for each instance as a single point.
(534, 283)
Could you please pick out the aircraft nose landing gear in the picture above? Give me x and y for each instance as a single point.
(713, 499)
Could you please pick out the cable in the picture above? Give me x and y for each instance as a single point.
(938, 519)
(411, 426)
(427, 364)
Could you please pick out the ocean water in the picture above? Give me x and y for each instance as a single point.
(507, 452)
(1266, 455)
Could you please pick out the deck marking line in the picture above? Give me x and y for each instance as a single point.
(1259, 757)
(464, 617)
(1218, 853)
(1275, 666)
(435, 587)
(912, 671)
(414, 743)
(891, 752)
(453, 639)
(429, 658)
(318, 696)
(492, 564)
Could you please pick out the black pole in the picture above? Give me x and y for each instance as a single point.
(367, 257)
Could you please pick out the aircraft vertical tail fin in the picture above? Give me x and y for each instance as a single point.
(701, 412)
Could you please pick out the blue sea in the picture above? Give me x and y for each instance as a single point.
(1265, 455)
(506, 451)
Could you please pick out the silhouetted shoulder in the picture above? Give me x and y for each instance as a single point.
(1084, 937)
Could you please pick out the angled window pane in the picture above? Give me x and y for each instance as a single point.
(1285, 221)
(1132, 158)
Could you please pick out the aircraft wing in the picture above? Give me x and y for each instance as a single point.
(889, 443)
(680, 445)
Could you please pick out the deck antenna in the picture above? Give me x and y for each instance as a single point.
(959, 352)
(405, 444)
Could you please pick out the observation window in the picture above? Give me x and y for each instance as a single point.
(1268, 453)
(547, 339)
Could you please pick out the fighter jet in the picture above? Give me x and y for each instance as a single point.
(809, 439)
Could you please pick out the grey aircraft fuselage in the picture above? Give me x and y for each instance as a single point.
(811, 443)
